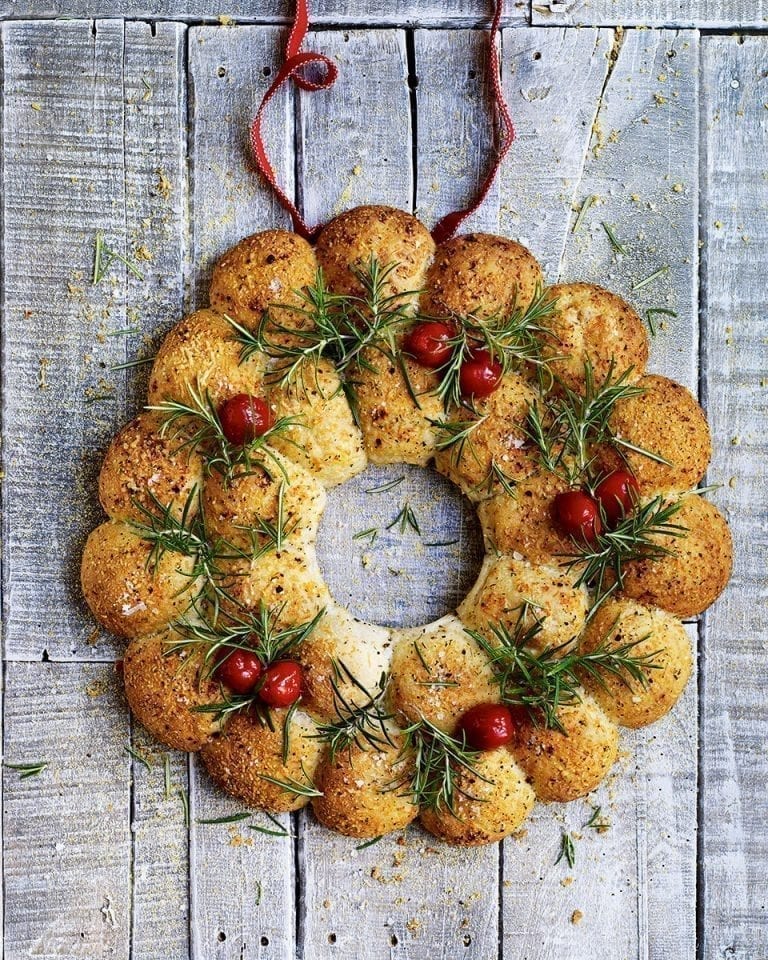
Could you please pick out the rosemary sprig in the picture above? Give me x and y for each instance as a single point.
(27, 770)
(543, 682)
(567, 425)
(363, 725)
(296, 787)
(268, 535)
(341, 328)
(439, 761)
(103, 258)
(207, 435)
(513, 339)
(567, 850)
(601, 561)
(456, 436)
(405, 519)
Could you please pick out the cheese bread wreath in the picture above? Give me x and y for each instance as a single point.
(375, 347)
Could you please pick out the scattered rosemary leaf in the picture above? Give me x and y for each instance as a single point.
(139, 362)
(231, 818)
(617, 245)
(420, 655)
(588, 202)
(279, 832)
(27, 770)
(296, 787)
(97, 397)
(184, 805)
(167, 776)
(441, 543)
(567, 850)
(406, 518)
(650, 278)
(384, 487)
(138, 756)
(126, 331)
(103, 258)
(258, 892)
(596, 821)
(370, 534)
(368, 843)
(652, 312)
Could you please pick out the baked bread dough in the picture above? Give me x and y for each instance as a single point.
(235, 548)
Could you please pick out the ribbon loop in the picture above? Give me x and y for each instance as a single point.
(292, 69)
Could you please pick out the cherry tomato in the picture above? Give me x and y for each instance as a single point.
(617, 494)
(430, 343)
(487, 726)
(283, 683)
(238, 669)
(479, 376)
(243, 418)
(578, 515)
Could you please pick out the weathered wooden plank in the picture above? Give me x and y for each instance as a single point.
(156, 229)
(337, 12)
(229, 72)
(67, 854)
(642, 170)
(455, 132)
(650, 13)
(552, 80)
(627, 880)
(241, 882)
(63, 181)
(155, 189)
(733, 849)
(624, 894)
(354, 141)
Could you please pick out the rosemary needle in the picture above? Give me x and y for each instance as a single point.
(650, 278)
(231, 818)
(582, 213)
(384, 487)
(27, 770)
(139, 757)
(617, 245)
(567, 850)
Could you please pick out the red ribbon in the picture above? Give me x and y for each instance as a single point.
(293, 65)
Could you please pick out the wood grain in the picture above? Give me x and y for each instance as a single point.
(642, 170)
(650, 13)
(734, 765)
(67, 850)
(544, 169)
(338, 12)
(63, 180)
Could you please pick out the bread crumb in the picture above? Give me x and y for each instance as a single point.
(42, 376)
(576, 917)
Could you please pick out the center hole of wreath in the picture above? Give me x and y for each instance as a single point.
(378, 565)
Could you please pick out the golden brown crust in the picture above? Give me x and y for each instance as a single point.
(694, 573)
(591, 322)
(565, 766)
(143, 467)
(233, 506)
(503, 801)
(288, 579)
(248, 750)
(162, 689)
(453, 659)
(127, 594)
(665, 420)
(324, 439)
(652, 631)
(395, 429)
(389, 234)
(201, 352)
(480, 275)
(263, 270)
(499, 439)
(365, 792)
(506, 584)
(364, 649)
(523, 524)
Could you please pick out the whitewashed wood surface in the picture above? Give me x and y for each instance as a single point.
(138, 130)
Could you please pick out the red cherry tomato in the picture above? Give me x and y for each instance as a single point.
(243, 418)
(283, 683)
(617, 494)
(479, 376)
(487, 726)
(240, 670)
(430, 343)
(578, 515)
